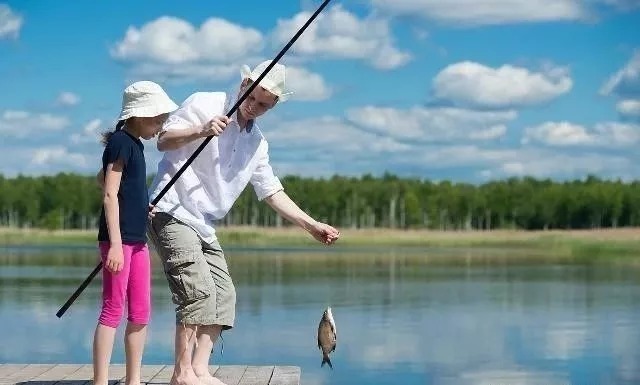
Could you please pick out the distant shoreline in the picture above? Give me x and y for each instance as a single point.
(620, 241)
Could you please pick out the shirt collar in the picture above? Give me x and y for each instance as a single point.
(231, 100)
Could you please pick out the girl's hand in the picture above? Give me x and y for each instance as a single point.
(115, 259)
(152, 211)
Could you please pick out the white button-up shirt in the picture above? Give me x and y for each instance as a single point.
(210, 185)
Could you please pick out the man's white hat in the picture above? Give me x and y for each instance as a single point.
(145, 99)
(273, 81)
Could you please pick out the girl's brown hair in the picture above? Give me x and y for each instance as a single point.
(107, 134)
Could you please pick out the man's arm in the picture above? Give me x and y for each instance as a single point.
(287, 208)
(176, 138)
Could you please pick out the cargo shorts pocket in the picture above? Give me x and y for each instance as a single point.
(189, 281)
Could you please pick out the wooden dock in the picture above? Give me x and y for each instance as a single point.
(70, 374)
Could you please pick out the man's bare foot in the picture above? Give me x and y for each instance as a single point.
(207, 379)
(185, 378)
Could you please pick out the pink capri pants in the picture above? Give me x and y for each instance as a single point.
(131, 284)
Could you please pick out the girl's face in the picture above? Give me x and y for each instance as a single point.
(149, 127)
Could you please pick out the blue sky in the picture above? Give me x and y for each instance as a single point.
(466, 90)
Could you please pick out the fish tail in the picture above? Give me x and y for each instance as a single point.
(326, 360)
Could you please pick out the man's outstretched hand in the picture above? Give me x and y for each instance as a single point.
(324, 233)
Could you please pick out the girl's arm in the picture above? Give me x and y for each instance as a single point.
(113, 176)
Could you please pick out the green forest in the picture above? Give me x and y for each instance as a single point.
(72, 201)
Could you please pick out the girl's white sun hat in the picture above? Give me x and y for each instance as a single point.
(145, 99)
(273, 81)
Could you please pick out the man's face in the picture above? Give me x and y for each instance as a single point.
(257, 102)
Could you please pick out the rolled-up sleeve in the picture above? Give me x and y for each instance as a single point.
(264, 181)
(196, 110)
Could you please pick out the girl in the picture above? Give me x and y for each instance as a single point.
(122, 240)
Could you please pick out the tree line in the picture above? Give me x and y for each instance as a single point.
(73, 201)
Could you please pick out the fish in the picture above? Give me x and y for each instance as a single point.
(327, 336)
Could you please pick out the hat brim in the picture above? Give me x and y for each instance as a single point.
(148, 111)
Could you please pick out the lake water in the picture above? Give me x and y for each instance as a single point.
(404, 316)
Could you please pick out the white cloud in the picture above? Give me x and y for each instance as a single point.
(629, 107)
(68, 99)
(175, 41)
(485, 12)
(558, 134)
(626, 82)
(38, 160)
(609, 134)
(10, 23)
(307, 85)
(172, 49)
(89, 134)
(536, 162)
(433, 124)
(184, 73)
(338, 33)
(323, 146)
(22, 123)
(57, 156)
(328, 136)
(331, 145)
(473, 84)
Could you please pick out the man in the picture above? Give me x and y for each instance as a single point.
(181, 231)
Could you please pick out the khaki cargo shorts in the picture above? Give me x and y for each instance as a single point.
(197, 273)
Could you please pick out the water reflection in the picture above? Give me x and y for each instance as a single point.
(404, 316)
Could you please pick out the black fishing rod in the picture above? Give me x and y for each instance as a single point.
(173, 180)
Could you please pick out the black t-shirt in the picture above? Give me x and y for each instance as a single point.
(133, 197)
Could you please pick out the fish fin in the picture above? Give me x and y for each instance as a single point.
(326, 360)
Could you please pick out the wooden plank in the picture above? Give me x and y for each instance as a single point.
(81, 376)
(117, 374)
(54, 375)
(25, 374)
(78, 374)
(285, 375)
(147, 372)
(7, 369)
(230, 374)
(163, 376)
(84, 375)
(257, 375)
